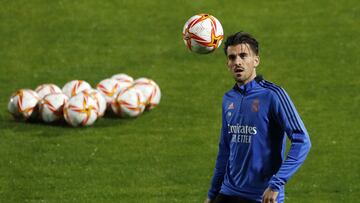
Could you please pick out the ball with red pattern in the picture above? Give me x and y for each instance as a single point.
(51, 107)
(109, 88)
(23, 104)
(100, 100)
(45, 89)
(81, 110)
(74, 87)
(129, 103)
(203, 33)
(122, 77)
(150, 90)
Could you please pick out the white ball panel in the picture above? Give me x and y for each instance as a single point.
(122, 77)
(45, 89)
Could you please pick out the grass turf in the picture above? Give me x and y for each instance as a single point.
(168, 155)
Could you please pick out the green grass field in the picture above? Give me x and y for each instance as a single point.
(168, 155)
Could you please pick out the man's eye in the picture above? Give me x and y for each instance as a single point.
(243, 55)
(231, 57)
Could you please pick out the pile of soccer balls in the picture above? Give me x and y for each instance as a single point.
(81, 105)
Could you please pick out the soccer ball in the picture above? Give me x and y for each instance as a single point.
(109, 88)
(203, 33)
(100, 100)
(150, 90)
(74, 87)
(23, 104)
(129, 102)
(122, 77)
(81, 110)
(51, 107)
(44, 89)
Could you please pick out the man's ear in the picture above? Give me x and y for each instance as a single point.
(257, 61)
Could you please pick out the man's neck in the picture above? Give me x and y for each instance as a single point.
(240, 83)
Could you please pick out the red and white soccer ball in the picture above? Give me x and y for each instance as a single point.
(51, 107)
(203, 33)
(81, 110)
(23, 104)
(74, 87)
(122, 77)
(129, 103)
(100, 100)
(150, 90)
(45, 89)
(109, 88)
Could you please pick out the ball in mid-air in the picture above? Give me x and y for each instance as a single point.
(203, 33)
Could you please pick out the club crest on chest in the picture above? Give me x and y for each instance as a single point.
(255, 106)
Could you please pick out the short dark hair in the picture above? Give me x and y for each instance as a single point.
(242, 38)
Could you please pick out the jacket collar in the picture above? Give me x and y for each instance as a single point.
(248, 86)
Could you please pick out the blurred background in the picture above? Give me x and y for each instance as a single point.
(168, 155)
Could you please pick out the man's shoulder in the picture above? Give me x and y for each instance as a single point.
(230, 94)
(277, 92)
(271, 86)
(267, 84)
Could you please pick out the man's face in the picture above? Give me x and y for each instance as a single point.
(242, 61)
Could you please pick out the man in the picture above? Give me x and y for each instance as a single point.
(251, 164)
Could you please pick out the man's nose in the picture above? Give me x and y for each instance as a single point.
(238, 61)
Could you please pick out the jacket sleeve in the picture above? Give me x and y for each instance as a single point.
(221, 161)
(291, 122)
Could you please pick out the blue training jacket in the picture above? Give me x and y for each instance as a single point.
(255, 119)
